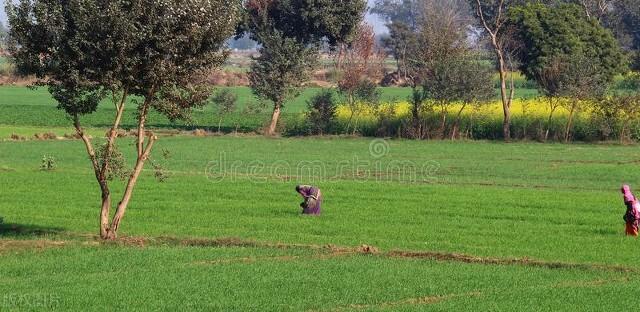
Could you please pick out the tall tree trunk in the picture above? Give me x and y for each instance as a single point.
(104, 211)
(506, 97)
(456, 124)
(443, 124)
(352, 112)
(133, 179)
(277, 108)
(567, 131)
(553, 109)
(623, 131)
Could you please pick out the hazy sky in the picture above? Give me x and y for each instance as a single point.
(379, 25)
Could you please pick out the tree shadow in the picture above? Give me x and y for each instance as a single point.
(26, 230)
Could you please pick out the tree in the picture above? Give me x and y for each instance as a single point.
(3, 38)
(492, 15)
(322, 112)
(406, 12)
(402, 17)
(624, 20)
(447, 69)
(224, 102)
(584, 55)
(362, 65)
(280, 71)
(86, 50)
(402, 42)
(290, 32)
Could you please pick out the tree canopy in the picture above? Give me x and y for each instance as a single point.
(86, 50)
(564, 32)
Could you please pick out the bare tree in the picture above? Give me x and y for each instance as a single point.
(362, 65)
(493, 18)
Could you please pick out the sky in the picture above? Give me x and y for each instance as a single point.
(372, 19)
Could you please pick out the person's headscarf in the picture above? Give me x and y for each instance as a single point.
(628, 196)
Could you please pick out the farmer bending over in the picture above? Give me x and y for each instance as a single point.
(312, 199)
(632, 216)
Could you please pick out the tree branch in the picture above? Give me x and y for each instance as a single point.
(114, 132)
(88, 145)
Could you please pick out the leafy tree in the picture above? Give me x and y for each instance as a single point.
(404, 12)
(584, 55)
(402, 18)
(3, 37)
(86, 50)
(290, 33)
(322, 112)
(402, 42)
(224, 102)
(624, 20)
(280, 71)
(446, 69)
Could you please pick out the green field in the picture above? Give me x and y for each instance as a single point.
(20, 106)
(492, 226)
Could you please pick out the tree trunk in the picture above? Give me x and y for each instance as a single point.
(271, 131)
(219, 124)
(506, 96)
(133, 179)
(352, 113)
(623, 131)
(456, 124)
(417, 123)
(443, 121)
(567, 132)
(553, 109)
(104, 211)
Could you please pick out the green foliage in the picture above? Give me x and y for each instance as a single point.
(563, 34)
(282, 68)
(84, 49)
(322, 112)
(305, 21)
(48, 163)
(224, 102)
(3, 37)
(367, 92)
(458, 79)
(398, 12)
(117, 167)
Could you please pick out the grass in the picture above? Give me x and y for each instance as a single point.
(20, 106)
(540, 225)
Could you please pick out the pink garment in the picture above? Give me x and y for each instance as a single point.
(632, 215)
(628, 196)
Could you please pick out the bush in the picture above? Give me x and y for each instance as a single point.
(48, 163)
(322, 112)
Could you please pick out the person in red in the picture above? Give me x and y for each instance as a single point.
(632, 215)
(312, 199)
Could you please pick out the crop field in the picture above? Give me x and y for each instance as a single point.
(406, 225)
(21, 106)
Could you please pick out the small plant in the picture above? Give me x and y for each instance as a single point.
(224, 102)
(159, 172)
(116, 164)
(48, 163)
